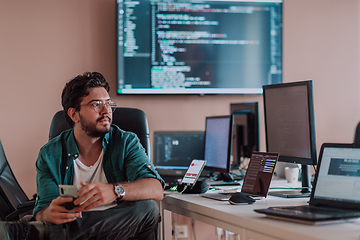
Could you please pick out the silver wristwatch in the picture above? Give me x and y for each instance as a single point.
(119, 191)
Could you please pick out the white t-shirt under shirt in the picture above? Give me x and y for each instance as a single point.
(94, 173)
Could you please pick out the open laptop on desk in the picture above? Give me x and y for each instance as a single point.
(336, 191)
(257, 178)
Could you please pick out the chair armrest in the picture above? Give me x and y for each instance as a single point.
(28, 204)
(21, 208)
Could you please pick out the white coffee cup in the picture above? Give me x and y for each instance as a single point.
(291, 174)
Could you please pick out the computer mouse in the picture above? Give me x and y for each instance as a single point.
(241, 198)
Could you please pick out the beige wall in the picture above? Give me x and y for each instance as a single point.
(45, 43)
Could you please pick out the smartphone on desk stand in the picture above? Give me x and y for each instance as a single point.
(68, 191)
(192, 175)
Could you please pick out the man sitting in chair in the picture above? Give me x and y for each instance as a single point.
(116, 182)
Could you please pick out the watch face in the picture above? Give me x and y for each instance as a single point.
(119, 191)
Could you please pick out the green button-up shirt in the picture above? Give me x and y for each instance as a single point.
(124, 160)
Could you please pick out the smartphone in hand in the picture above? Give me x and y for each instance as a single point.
(68, 191)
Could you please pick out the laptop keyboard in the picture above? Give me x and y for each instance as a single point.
(317, 210)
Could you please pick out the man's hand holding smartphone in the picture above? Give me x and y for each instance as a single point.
(68, 191)
(61, 209)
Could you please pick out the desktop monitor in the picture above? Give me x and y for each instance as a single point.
(290, 125)
(218, 145)
(198, 47)
(174, 150)
(245, 132)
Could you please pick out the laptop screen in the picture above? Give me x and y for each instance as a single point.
(259, 173)
(339, 175)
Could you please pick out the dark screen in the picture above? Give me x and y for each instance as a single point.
(245, 131)
(289, 122)
(174, 151)
(259, 173)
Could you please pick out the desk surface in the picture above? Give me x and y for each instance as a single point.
(241, 219)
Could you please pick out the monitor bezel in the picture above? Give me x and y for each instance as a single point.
(311, 121)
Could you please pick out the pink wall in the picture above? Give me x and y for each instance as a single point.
(45, 43)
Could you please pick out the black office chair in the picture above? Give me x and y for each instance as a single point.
(357, 134)
(14, 203)
(128, 119)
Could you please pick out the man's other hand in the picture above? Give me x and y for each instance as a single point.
(93, 195)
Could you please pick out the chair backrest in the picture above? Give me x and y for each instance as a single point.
(357, 134)
(11, 194)
(128, 119)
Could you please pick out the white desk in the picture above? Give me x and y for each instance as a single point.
(242, 220)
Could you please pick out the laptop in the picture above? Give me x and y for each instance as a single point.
(335, 196)
(257, 178)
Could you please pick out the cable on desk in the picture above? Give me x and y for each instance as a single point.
(315, 169)
(185, 187)
(193, 228)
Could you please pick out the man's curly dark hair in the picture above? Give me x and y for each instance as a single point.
(78, 88)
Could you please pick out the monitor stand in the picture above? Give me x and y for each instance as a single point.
(305, 184)
(222, 179)
(226, 177)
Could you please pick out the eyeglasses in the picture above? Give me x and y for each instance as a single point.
(98, 105)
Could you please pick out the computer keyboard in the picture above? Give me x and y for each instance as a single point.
(222, 183)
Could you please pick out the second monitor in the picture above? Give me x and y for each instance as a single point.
(290, 127)
(218, 145)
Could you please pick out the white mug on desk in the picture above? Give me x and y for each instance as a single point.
(291, 174)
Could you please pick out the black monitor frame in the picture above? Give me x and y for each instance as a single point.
(245, 115)
(305, 161)
(208, 166)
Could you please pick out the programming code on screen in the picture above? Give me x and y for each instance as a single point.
(198, 47)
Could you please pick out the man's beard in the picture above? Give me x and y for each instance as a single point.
(90, 129)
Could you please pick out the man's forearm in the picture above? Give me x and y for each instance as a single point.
(142, 189)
